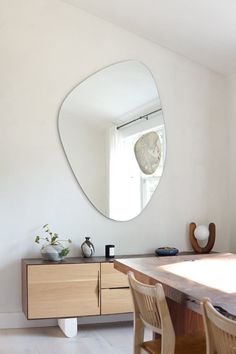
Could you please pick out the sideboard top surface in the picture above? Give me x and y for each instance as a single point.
(83, 260)
(79, 260)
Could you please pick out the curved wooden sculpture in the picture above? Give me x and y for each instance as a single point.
(194, 241)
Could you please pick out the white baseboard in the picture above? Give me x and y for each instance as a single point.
(18, 320)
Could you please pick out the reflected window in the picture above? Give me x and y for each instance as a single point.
(126, 180)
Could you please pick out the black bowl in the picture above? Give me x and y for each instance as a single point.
(166, 251)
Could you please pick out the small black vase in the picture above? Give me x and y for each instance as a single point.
(87, 248)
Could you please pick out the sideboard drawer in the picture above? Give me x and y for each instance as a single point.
(116, 301)
(112, 278)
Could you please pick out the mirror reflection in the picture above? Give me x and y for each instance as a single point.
(112, 130)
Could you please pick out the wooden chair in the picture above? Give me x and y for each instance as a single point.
(151, 311)
(220, 331)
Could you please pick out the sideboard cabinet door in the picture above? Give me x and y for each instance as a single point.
(63, 290)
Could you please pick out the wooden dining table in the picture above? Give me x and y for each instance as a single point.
(187, 279)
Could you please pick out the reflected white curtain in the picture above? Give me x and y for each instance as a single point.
(124, 178)
(116, 177)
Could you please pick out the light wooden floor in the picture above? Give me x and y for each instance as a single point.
(115, 338)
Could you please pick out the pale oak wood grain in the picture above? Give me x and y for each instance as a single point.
(68, 290)
(115, 292)
(112, 278)
(116, 301)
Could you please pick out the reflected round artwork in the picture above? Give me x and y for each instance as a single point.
(148, 152)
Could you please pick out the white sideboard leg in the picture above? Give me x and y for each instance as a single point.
(68, 326)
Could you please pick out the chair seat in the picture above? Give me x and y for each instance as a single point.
(189, 344)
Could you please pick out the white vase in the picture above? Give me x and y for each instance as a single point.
(87, 248)
(52, 253)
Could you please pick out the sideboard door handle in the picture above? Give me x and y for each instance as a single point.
(98, 289)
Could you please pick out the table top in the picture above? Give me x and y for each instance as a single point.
(189, 278)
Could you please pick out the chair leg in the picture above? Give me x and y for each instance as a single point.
(138, 335)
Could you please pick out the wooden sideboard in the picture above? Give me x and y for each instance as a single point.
(73, 288)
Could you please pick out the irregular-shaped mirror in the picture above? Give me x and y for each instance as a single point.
(112, 130)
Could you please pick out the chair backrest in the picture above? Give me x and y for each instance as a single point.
(151, 308)
(220, 331)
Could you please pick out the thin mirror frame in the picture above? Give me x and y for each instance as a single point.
(65, 152)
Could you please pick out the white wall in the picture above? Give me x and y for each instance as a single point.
(232, 160)
(47, 47)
